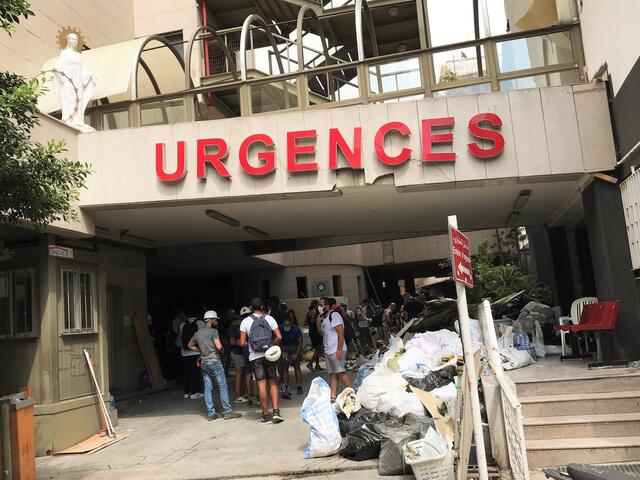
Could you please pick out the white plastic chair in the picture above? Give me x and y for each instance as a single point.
(576, 312)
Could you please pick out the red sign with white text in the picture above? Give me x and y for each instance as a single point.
(212, 154)
(461, 257)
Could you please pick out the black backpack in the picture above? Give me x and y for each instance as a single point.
(348, 333)
(188, 331)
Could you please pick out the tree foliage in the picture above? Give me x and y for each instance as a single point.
(38, 185)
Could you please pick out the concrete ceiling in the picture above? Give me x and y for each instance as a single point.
(349, 216)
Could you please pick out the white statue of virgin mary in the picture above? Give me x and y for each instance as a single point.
(74, 84)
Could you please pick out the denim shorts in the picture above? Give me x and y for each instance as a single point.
(263, 369)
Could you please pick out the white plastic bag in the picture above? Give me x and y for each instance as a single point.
(317, 412)
(384, 391)
(347, 403)
(513, 358)
(538, 341)
(448, 394)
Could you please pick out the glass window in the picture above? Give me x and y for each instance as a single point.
(278, 95)
(567, 77)
(395, 76)
(541, 51)
(5, 304)
(23, 301)
(114, 120)
(470, 90)
(301, 286)
(79, 300)
(461, 64)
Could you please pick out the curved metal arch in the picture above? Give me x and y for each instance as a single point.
(300, 52)
(134, 73)
(189, 51)
(243, 43)
(372, 33)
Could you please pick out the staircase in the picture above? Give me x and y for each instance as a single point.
(592, 417)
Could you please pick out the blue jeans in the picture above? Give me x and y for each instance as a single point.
(214, 371)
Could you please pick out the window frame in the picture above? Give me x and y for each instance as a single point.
(77, 329)
(12, 274)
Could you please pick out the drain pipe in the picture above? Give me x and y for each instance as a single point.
(5, 438)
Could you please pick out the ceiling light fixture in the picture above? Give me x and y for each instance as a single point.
(402, 47)
(256, 233)
(222, 218)
(522, 200)
(393, 11)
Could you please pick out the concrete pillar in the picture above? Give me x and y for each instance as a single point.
(541, 248)
(612, 266)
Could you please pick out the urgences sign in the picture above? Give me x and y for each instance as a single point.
(213, 153)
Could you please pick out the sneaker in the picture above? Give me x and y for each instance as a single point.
(253, 403)
(196, 396)
(231, 415)
(319, 368)
(286, 395)
(186, 395)
(310, 367)
(276, 418)
(213, 417)
(299, 391)
(242, 399)
(264, 418)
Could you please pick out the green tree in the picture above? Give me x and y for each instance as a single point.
(38, 185)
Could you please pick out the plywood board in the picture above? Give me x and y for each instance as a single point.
(432, 404)
(149, 355)
(92, 444)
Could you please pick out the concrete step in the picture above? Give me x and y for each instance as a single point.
(559, 452)
(582, 426)
(612, 382)
(580, 404)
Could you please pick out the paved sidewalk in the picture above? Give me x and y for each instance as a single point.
(171, 439)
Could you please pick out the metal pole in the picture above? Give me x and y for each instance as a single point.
(6, 441)
(465, 334)
(107, 418)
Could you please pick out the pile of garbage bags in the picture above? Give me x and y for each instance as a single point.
(381, 414)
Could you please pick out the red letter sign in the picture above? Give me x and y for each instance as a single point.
(293, 150)
(428, 139)
(337, 141)
(214, 159)
(180, 170)
(269, 158)
(486, 134)
(404, 154)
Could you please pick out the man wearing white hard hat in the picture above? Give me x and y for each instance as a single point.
(207, 342)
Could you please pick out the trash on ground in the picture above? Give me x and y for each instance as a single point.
(318, 413)
(347, 402)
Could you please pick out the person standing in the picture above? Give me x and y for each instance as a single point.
(363, 315)
(258, 331)
(190, 374)
(206, 341)
(237, 357)
(291, 346)
(412, 306)
(314, 335)
(335, 347)
(387, 322)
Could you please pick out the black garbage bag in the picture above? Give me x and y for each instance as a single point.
(433, 380)
(365, 416)
(362, 443)
(393, 439)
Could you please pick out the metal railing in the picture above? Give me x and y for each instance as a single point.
(511, 407)
(555, 58)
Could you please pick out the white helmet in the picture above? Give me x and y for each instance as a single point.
(245, 311)
(210, 314)
(273, 353)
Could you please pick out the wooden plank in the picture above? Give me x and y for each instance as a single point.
(151, 362)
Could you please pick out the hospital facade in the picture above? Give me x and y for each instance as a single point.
(299, 148)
